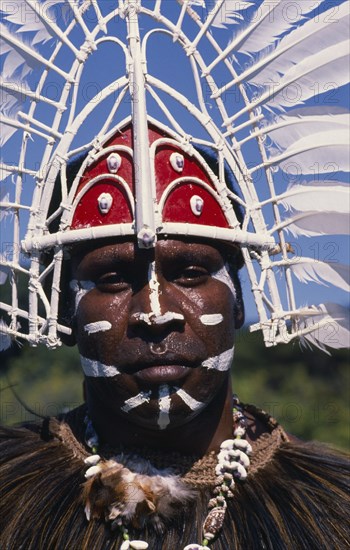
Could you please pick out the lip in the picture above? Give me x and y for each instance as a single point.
(162, 374)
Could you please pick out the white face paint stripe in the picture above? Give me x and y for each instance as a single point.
(136, 401)
(224, 276)
(97, 369)
(164, 407)
(192, 403)
(80, 288)
(97, 326)
(212, 319)
(151, 319)
(220, 362)
(154, 290)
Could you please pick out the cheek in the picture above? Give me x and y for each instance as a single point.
(210, 314)
(101, 321)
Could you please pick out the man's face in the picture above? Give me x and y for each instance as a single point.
(155, 328)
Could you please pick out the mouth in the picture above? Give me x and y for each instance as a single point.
(162, 374)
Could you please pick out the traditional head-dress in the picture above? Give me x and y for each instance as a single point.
(143, 93)
(152, 118)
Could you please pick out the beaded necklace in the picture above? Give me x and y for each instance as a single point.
(232, 465)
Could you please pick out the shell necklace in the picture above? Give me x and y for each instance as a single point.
(232, 464)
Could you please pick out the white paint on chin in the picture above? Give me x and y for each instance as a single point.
(97, 326)
(211, 319)
(136, 401)
(96, 369)
(224, 276)
(80, 288)
(164, 406)
(221, 362)
(192, 403)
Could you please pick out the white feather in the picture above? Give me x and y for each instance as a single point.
(327, 196)
(312, 224)
(5, 339)
(331, 326)
(18, 60)
(230, 13)
(20, 12)
(309, 269)
(270, 21)
(298, 84)
(287, 129)
(329, 150)
(315, 35)
(4, 198)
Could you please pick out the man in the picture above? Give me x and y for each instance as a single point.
(135, 237)
(160, 436)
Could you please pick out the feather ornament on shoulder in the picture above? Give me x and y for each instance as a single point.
(114, 491)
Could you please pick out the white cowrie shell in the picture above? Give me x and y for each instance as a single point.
(125, 545)
(138, 544)
(240, 456)
(227, 444)
(243, 445)
(177, 162)
(196, 204)
(105, 201)
(92, 471)
(113, 162)
(92, 460)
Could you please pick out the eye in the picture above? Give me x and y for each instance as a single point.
(112, 282)
(192, 276)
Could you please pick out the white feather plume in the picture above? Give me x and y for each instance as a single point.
(291, 127)
(269, 21)
(297, 85)
(330, 150)
(5, 339)
(312, 37)
(313, 224)
(230, 13)
(329, 324)
(21, 13)
(325, 196)
(4, 269)
(313, 270)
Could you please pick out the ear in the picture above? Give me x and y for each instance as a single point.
(239, 313)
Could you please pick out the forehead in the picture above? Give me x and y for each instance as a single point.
(167, 250)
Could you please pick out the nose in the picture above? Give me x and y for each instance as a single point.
(153, 306)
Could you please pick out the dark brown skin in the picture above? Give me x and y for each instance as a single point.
(151, 355)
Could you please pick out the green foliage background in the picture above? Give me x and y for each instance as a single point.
(307, 391)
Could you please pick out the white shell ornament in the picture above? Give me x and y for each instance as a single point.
(113, 162)
(105, 201)
(177, 162)
(197, 204)
(138, 544)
